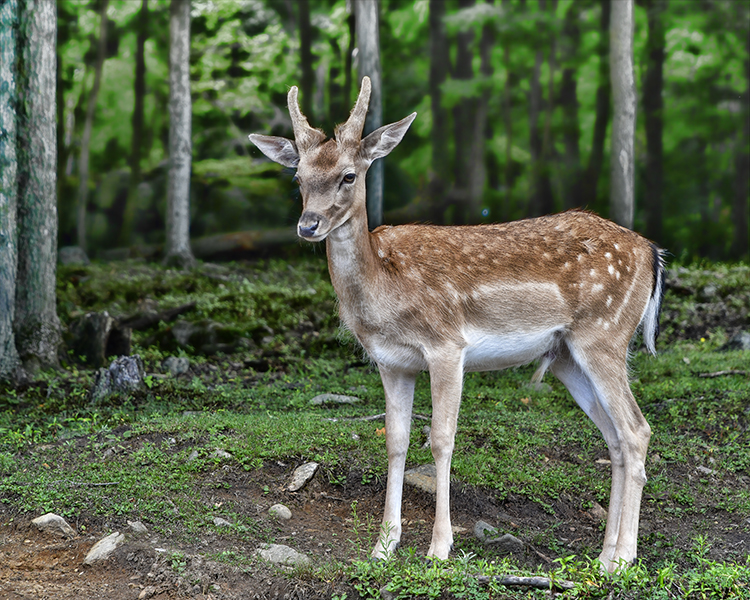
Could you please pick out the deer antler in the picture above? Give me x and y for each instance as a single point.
(350, 133)
(305, 136)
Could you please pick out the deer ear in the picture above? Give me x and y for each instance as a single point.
(278, 149)
(381, 141)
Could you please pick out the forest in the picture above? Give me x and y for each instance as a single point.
(513, 101)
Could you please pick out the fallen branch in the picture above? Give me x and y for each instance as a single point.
(724, 373)
(146, 320)
(378, 417)
(544, 583)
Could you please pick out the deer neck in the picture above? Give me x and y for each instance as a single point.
(352, 263)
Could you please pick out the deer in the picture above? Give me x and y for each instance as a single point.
(568, 290)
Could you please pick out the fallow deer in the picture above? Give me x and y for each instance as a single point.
(569, 290)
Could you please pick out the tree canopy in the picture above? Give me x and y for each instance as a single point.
(534, 68)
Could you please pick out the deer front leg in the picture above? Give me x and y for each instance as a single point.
(399, 398)
(446, 381)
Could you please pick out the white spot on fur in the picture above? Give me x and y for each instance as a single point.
(592, 272)
(609, 300)
(607, 255)
(617, 246)
(566, 265)
(598, 287)
(611, 269)
(617, 275)
(381, 254)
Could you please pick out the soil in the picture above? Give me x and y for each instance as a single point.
(41, 566)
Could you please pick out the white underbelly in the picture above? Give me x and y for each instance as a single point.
(491, 351)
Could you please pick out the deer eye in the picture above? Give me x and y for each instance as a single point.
(296, 178)
(349, 178)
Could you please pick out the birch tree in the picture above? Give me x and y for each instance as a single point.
(178, 250)
(622, 161)
(9, 361)
(37, 328)
(368, 44)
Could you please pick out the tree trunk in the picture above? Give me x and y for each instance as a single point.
(83, 161)
(439, 61)
(603, 94)
(368, 42)
(572, 172)
(622, 159)
(463, 123)
(9, 361)
(306, 59)
(136, 142)
(535, 138)
(477, 161)
(346, 97)
(740, 208)
(508, 117)
(37, 328)
(653, 107)
(180, 146)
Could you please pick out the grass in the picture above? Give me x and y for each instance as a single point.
(151, 455)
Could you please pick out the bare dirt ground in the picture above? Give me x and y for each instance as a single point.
(41, 566)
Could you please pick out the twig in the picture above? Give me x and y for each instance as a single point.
(544, 583)
(378, 417)
(723, 373)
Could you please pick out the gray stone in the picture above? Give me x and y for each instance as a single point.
(280, 512)
(333, 399)
(104, 548)
(423, 477)
(72, 255)
(55, 524)
(176, 365)
(124, 375)
(506, 544)
(218, 453)
(740, 341)
(137, 527)
(484, 530)
(279, 554)
(302, 475)
(597, 512)
(705, 470)
(219, 522)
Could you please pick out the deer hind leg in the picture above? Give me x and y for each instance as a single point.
(598, 382)
(399, 398)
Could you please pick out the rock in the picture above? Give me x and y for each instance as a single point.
(218, 453)
(387, 595)
(137, 527)
(279, 554)
(124, 375)
(104, 548)
(72, 255)
(280, 512)
(147, 592)
(705, 470)
(423, 477)
(505, 544)
(597, 512)
(176, 365)
(55, 524)
(333, 399)
(484, 530)
(740, 341)
(205, 337)
(219, 522)
(193, 455)
(302, 475)
(427, 430)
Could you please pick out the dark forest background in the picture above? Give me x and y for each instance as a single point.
(513, 100)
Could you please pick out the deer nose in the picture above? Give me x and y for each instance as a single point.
(308, 225)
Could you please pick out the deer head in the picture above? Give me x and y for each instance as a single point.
(331, 173)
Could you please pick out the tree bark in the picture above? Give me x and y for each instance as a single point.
(37, 328)
(535, 138)
(368, 42)
(346, 96)
(180, 145)
(740, 205)
(306, 59)
(603, 95)
(653, 107)
(508, 117)
(572, 172)
(439, 61)
(136, 142)
(622, 159)
(477, 160)
(463, 121)
(83, 161)
(9, 360)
